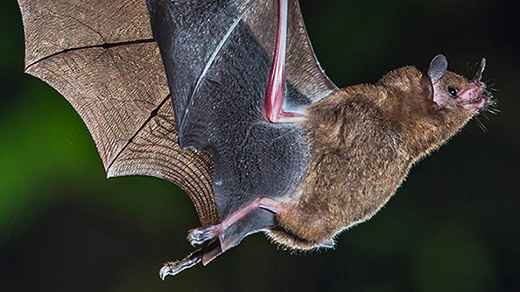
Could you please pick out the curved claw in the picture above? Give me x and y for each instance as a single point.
(201, 235)
(173, 268)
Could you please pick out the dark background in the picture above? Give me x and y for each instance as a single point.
(453, 225)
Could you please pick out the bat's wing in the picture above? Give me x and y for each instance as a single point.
(218, 56)
(196, 36)
(101, 57)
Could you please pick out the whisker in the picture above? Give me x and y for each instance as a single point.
(493, 111)
(492, 107)
(481, 125)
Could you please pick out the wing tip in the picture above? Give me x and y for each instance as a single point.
(111, 172)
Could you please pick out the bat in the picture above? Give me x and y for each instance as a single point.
(227, 100)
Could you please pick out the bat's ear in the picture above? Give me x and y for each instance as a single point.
(437, 69)
(435, 72)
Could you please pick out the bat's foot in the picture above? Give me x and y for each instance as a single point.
(173, 268)
(200, 235)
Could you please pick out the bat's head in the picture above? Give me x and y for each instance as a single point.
(435, 104)
(454, 94)
(445, 103)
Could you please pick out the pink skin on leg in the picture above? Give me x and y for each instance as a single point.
(275, 92)
(200, 235)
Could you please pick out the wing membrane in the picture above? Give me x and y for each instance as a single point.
(101, 57)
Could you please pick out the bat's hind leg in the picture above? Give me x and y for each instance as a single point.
(201, 235)
(275, 92)
(209, 239)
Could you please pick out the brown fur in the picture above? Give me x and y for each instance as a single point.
(363, 141)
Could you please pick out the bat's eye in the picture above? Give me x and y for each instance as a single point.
(452, 91)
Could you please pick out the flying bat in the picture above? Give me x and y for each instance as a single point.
(227, 100)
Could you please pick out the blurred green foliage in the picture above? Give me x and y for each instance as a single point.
(453, 226)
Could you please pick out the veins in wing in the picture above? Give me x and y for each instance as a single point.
(103, 45)
(145, 123)
(78, 21)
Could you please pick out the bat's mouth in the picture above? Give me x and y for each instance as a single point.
(476, 96)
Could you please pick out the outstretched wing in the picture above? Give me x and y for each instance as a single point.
(218, 55)
(100, 55)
